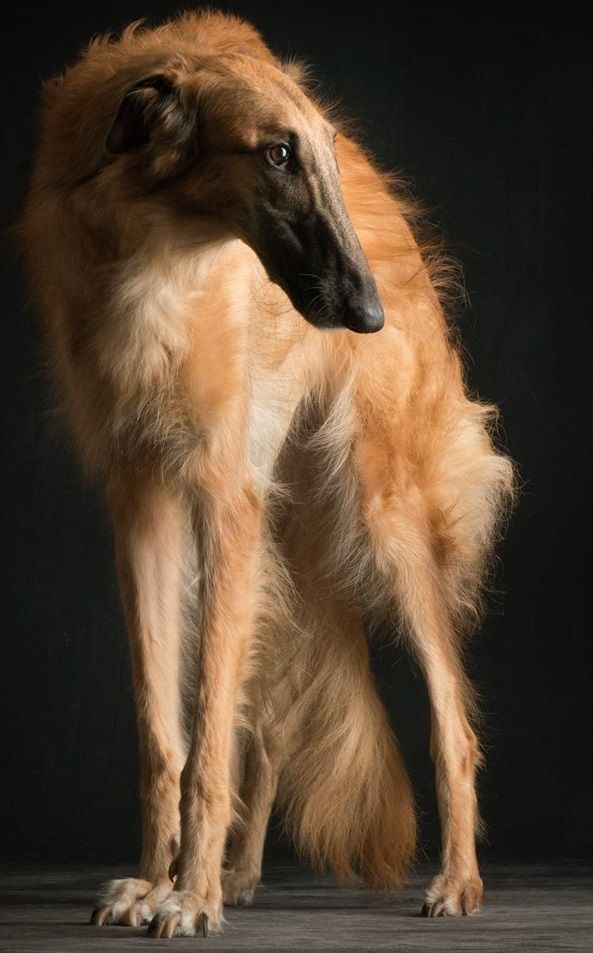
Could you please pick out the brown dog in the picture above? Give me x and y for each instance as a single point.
(202, 242)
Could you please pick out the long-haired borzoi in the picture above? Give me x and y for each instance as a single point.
(249, 347)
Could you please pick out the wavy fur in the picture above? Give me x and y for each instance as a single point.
(274, 488)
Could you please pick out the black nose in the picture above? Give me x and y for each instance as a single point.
(364, 317)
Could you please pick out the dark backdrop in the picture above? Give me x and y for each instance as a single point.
(486, 109)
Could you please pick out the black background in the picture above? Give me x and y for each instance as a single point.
(486, 108)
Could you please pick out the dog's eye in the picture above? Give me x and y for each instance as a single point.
(279, 154)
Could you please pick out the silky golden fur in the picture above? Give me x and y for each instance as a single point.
(274, 488)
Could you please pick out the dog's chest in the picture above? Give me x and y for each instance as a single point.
(274, 397)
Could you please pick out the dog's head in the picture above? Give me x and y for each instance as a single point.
(234, 139)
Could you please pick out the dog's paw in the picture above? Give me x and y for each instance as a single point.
(184, 913)
(128, 902)
(238, 886)
(453, 897)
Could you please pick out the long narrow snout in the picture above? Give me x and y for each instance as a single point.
(320, 265)
(311, 250)
(351, 296)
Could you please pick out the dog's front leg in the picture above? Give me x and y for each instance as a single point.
(148, 523)
(229, 540)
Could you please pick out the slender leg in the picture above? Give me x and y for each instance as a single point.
(454, 748)
(406, 557)
(148, 528)
(246, 848)
(229, 539)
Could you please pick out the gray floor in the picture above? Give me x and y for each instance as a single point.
(531, 908)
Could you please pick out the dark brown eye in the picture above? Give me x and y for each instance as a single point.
(279, 154)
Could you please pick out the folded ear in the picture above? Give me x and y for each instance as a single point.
(151, 102)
